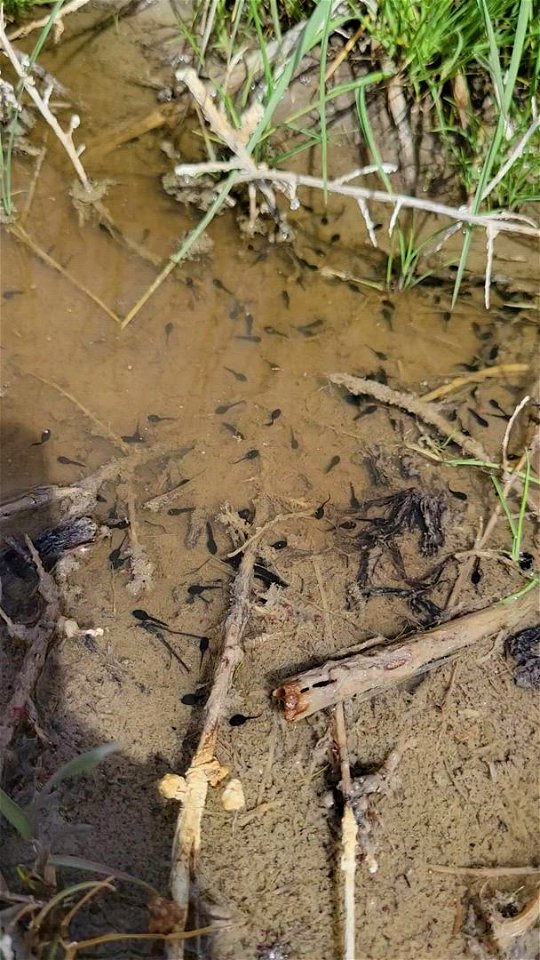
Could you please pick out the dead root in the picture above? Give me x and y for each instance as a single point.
(37, 640)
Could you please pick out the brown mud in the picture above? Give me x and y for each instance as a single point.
(252, 326)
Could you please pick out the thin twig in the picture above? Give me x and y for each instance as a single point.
(20, 234)
(473, 377)
(287, 180)
(102, 427)
(484, 871)
(367, 674)
(205, 769)
(413, 405)
(43, 21)
(506, 439)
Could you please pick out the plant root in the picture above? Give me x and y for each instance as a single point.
(37, 640)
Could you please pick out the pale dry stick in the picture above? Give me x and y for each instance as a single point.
(514, 155)
(288, 179)
(204, 768)
(42, 104)
(367, 675)
(491, 234)
(484, 871)
(43, 21)
(33, 183)
(17, 231)
(221, 126)
(413, 405)
(473, 377)
(349, 831)
(506, 439)
(37, 640)
(118, 442)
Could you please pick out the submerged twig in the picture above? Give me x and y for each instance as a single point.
(413, 405)
(204, 768)
(20, 234)
(107, 432)
(473, 377)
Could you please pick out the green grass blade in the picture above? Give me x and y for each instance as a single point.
(309, 38)
(16, 816)
(82, 764)
(516, 547)
(506, 509)
(12, 126)
(367, 131)
(505, 93)
(69, 862)
(322, 101)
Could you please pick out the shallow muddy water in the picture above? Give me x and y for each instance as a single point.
(220, 387)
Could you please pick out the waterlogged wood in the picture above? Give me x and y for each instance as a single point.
(366, 675)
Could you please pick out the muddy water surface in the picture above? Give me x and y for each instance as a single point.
(220, 384)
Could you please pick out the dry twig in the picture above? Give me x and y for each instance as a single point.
(43, 21)
(474, 377)
(42, 103)
(349, 830)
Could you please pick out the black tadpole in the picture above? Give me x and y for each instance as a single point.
(274, 415)
(238, 719)
(46, 435)
(250, 455)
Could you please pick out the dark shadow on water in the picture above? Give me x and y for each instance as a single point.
(113, 815)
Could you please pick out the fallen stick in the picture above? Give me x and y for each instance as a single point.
(365, 675)
(205, 769)
(349, 831)
(414, 405)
